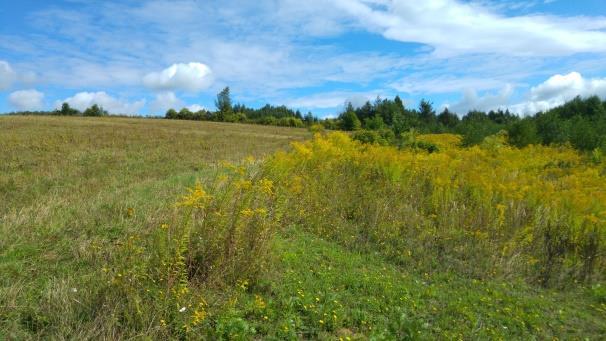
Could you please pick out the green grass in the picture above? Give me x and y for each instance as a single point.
(74, 190)
(321, 290)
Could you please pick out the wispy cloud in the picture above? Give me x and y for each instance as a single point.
(297, 49)
(452, 27)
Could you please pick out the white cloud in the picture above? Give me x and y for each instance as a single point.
(7, 75)
(454, 27)
(472, 101)
(318, 101)
(165, 101)
(196, 107)
(558, 89)
(189, 77)
(26, 99)
(555, 91)
(83, 100)
(477, 44)
(333, 100)
(445, 84)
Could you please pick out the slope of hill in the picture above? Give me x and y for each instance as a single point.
(303, 244)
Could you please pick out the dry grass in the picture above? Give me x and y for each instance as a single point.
(72, 188)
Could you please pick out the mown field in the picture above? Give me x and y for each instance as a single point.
(100, 237)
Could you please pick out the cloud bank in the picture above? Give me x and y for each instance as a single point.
(27, 99)
(558, 89)
(553, 92)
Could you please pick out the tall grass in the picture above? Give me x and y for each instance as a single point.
(538, 213)
(219, 238)
(101, 239)
(73, 191)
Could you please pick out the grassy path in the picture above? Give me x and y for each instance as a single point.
(321, 290)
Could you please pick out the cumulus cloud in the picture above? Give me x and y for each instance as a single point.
(196, 107)
(455, 27)
(491, 101)
(164, 101)
(189, 77)
(26, 99)
(555, 91)
(558, 89)
(7, 75)
(83, 100)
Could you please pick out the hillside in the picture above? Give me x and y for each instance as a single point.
(325, 239)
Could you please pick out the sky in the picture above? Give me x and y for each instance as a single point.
(144, 57)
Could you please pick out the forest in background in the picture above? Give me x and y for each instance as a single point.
(580, 122)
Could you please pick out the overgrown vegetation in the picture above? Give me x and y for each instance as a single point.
(331, 239)
(490, 211)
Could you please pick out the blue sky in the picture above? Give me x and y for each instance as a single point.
(142, 57)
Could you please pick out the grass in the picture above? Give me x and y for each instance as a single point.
(75, 192)
(322, 290)
(70, 187)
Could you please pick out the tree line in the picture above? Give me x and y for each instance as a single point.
(228, 112)
(580, 122)
(67, 110)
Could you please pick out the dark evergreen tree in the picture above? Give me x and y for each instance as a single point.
(349, 120)
(448, 119)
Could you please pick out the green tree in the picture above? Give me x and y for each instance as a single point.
(551, 128)
(448, 119)
(523, 133)
(374, 123)
(426, 112)
(66, 110)
(309, 118)
(185, 114)
(95, 110)
(223, 104)
(349, 119)
(171, 114)
(365, 111)
(475, 127)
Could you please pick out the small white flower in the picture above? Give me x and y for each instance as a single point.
(182, 309)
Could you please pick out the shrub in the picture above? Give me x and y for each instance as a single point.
(383, 137)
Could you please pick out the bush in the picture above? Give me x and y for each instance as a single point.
(383, 137)
(290, 122)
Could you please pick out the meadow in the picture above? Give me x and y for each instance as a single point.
(118, 228)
